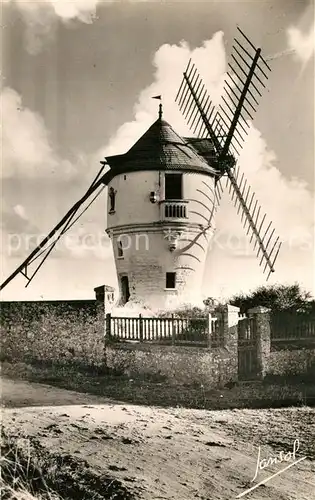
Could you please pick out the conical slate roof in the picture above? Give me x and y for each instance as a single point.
(160, 148)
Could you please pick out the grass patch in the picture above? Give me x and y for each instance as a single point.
(29, 472)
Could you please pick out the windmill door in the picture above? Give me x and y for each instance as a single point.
(125, 289)
(247, 349)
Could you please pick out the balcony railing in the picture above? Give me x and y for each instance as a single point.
(174, 209)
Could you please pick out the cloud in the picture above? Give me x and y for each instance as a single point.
(26, 148)
(34, 177)
(14, 220)
(20, 211)
(302, 44)
(20, 236)
(288, 202)
(83, 10)
(41, 17)
(169, 63)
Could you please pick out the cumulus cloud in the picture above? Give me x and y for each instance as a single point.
(40, 17)
(28, 158)
(26, 148)
(288, 202)
(302, 44)
(14, 219)
(84, 10)
(169, 63)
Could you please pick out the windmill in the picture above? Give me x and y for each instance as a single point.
(219, 138)
(223, 130)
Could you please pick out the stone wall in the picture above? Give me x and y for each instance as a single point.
(212, 366)
(292, 362)
(177, 364)
(74, 331)
(53, 331)
(280, 358)
(29, 310)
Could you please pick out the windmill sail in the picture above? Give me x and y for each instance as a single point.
(267, 244)
(226, 128)
(48, 243)
(196, 105)
(243, 86)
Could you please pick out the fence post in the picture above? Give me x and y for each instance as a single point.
(209, 319)
(140, 328)
(173, 331)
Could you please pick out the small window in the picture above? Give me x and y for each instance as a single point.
(112, 200)
(120, 251)
(170, 280)
(173, 186)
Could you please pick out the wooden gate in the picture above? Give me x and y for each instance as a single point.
(247, 349)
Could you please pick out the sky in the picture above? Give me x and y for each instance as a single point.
(77, 83)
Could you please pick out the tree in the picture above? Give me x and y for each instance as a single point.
(277, 298)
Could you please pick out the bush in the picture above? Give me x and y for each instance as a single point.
(277, 298)
(187, 311)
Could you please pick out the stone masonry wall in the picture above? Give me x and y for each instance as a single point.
(178, 364)
(53, 331)
(292, 362)
(275, 359)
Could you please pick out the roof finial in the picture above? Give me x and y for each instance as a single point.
(160, 111)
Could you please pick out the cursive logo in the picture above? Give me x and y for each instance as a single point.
(281, 457)
(263, 463)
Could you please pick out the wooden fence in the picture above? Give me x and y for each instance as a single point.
(169, 330)
(289, 327)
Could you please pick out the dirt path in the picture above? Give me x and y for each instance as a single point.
(16, 393)
(171, 453)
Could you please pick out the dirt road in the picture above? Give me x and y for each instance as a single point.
(21, 393)
(170, 453)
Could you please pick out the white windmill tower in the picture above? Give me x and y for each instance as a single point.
(160, 207)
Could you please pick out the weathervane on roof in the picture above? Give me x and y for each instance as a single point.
(159, 97)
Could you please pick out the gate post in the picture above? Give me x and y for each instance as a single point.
(231, 318)
(261, 317)
(108, 325)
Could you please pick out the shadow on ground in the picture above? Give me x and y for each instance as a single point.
(95, 387)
